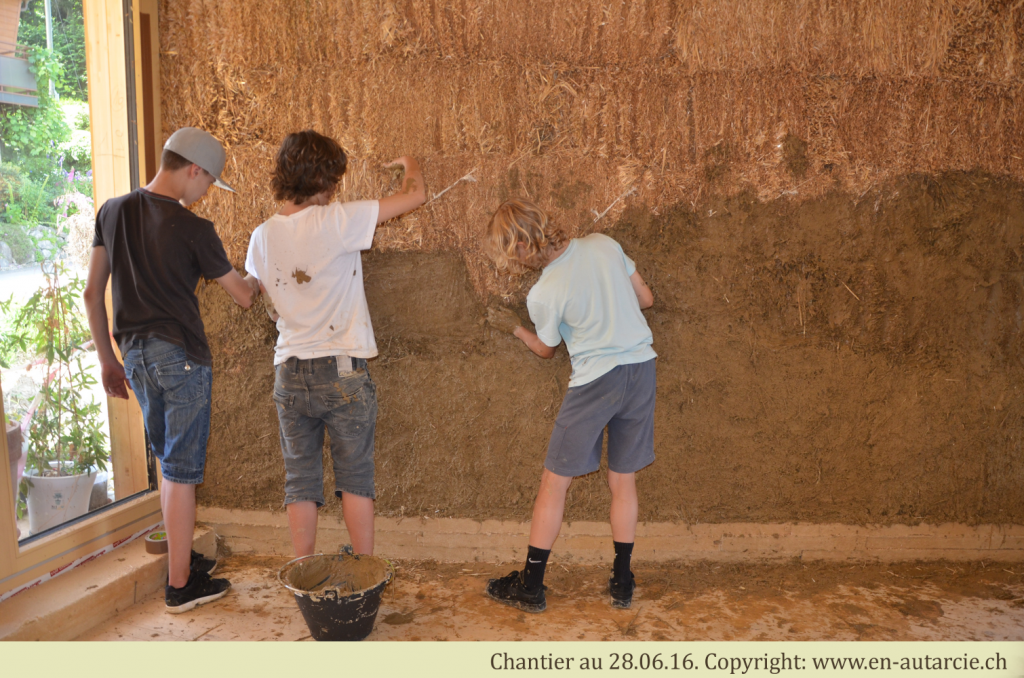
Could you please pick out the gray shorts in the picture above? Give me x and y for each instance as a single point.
(311, 397)
(622, 400)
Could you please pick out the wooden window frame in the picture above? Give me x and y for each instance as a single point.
(147, 78)
(113, 107)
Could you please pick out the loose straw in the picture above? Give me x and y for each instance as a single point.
(608, 209)
(468, 177)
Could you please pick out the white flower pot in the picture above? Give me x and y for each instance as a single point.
(54, 501)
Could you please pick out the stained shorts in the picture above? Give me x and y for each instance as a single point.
(313, 397)
(621, 400)
(174, 392)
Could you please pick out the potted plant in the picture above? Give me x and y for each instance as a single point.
(67, 446)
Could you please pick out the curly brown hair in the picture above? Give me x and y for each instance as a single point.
(307, 163)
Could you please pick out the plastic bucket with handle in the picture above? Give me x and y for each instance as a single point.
(338, 594)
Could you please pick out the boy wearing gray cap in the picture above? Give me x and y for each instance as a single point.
(154, 251)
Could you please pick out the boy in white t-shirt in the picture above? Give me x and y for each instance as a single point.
(307, 259)
(590, 295)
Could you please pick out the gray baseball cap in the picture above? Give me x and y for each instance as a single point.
(202, 148)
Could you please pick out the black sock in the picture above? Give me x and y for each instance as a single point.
(623, 552)
(533, 573)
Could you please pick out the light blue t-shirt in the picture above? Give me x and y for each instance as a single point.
(586, 298)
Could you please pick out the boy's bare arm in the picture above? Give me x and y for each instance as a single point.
(643, 293)
(505, 319)
(242, 290)
(111, 371)
(534, 343)
(411, 195)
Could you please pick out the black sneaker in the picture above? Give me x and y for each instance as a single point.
(201, 563)
(201, 588)
(511, 590)
(622, 594)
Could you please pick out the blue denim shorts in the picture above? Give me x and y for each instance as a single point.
(313, 396)
(621, 400)
(174, 392)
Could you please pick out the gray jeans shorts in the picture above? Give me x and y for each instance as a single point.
(621, 400)
(312, 396)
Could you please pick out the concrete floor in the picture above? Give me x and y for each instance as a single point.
(679, 601)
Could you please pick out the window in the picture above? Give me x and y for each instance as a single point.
(123, 122)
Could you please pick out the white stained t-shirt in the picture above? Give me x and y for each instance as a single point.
(586, 298)
(310, 264)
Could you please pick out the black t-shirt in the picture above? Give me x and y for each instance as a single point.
(157, 251)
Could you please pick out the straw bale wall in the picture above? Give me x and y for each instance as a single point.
(824, 195)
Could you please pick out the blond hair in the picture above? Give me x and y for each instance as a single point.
(521, 221)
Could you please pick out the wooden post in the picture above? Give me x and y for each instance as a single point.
(108, 108)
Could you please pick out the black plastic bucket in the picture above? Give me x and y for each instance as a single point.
(332, 613)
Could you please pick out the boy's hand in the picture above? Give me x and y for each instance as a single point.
(240, 289)
(254, 285)
(413, 191)
(115, 382)
(503, 318)
(402, 162)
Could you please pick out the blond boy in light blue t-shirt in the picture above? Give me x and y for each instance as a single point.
(590, 295)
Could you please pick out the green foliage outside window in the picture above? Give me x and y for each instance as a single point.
(68, 41)
(45, 152)
(35, 133)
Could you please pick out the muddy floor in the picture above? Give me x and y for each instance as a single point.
(694, 601)
(853, 359)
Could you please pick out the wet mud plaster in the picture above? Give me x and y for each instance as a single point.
(861, 351)
(347, 573)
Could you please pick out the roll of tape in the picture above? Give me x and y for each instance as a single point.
(156, 542)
